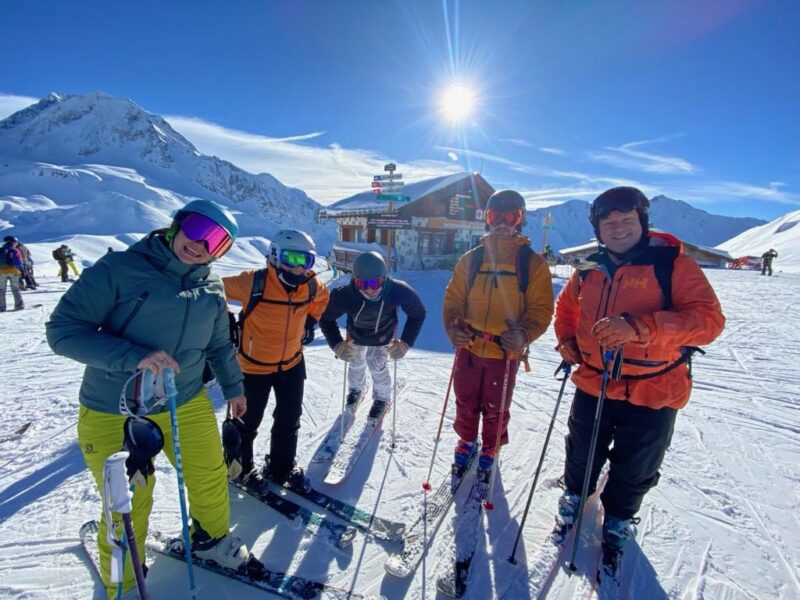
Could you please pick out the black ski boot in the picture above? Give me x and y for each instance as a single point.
(353, 397)
(376, 410)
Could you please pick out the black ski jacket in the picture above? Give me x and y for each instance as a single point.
(373, 322)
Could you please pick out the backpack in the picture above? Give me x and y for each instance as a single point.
(522, 267)
(57, 254)
(256, 296)
(8, 256)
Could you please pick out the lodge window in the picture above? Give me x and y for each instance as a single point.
(436, 243)
(349, 233)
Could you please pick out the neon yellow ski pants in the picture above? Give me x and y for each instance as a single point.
(100, 436)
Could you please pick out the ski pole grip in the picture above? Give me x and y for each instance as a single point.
(116, 478)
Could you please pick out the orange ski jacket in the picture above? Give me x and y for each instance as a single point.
(663, 335)
(273, 330)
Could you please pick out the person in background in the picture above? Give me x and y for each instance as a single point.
(491, 321)
(60, 255)
(26, 279)
(616, 302)
(154, 306)
(110, 250)
(766, 261)
(71, 260)
(370, 301)
(10, 268)
(270, 354)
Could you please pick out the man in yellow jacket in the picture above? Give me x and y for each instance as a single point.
(271, 353)
(499, 300)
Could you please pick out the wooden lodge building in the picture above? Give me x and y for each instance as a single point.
(705, 257)
(442, 220)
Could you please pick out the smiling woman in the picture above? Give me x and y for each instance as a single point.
(457, 102)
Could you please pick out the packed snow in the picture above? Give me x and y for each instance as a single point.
(721, 524)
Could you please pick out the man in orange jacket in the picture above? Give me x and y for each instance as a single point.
(271, 353)
(649, 305)
(491, 320)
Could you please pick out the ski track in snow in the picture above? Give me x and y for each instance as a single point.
(722, 523)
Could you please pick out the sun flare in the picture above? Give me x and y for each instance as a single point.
(457, 102)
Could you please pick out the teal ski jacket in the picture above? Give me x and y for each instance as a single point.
(129, 304)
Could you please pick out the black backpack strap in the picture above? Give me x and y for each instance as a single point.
(523, 267)
(259, 282)
(475, 262)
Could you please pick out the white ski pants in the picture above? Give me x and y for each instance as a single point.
(376, 358)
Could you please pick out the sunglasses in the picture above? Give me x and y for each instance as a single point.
(496, 217)
(297, 258)
(369, 284)
(199, 228)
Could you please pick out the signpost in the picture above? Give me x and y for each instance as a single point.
(547, 225)
(389, 187)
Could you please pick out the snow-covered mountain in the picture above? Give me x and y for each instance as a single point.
(782, 234)
(68, 163)
(571, 227)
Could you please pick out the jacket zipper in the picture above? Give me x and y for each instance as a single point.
(378, 320)
(139, 302)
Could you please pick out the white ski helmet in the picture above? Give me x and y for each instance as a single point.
(290, 239)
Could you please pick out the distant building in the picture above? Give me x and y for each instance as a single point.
(443, 219)
(705, 257)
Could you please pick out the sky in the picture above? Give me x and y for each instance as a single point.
(695, 99)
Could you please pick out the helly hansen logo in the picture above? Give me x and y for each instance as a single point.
(636, 283)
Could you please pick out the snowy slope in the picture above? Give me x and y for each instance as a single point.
(782, 234)
(100, 165)
(721, 524)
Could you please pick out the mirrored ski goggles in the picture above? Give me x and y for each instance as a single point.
(199, 228)
(509, 218)
(369, 284)
(297, 258)
(142, 393)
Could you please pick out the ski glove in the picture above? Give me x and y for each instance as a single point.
(515, 338)
(232, 447)
(569, 352)
(397, 349)
(345, 350)
(308, 335)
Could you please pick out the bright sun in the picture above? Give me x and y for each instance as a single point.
(457, 102)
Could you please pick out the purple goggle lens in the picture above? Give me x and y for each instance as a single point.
(199, 228)
(369, 284)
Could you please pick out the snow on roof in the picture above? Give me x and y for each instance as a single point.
(368, 200)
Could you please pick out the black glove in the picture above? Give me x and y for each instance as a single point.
(308, 335)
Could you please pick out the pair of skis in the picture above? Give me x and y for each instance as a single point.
(276, 582)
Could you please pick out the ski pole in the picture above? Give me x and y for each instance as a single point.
(566, 367)
(427, 483)
(488, 504)
(394, 403)
(608, 359)
(172, 393)
(117, 498)
(344, 396)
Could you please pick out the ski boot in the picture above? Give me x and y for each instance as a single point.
(485, 464)
(568, 505)
(461, 455)
(616, 533)
(255, 482)
(352, 400)
(295, 480)
(376, 411)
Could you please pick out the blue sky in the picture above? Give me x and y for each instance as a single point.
(696, 99)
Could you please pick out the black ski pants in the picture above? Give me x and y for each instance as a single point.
(288, 386)
(640, 437)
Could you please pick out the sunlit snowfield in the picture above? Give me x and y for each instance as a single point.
(723, 523)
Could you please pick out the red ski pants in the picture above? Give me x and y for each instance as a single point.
(478, 384)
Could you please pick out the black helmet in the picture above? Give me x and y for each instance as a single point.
(369, 265)
(507, 201)
(623, 199)
(10, 239)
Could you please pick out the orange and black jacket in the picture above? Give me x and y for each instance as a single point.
(270, 340)
(494, 296)
(655, 372)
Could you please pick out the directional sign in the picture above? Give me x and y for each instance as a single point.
(392, 177)
(394, 197)
(390, 168)
(388, 221)
(376, 184)
(391, 189)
